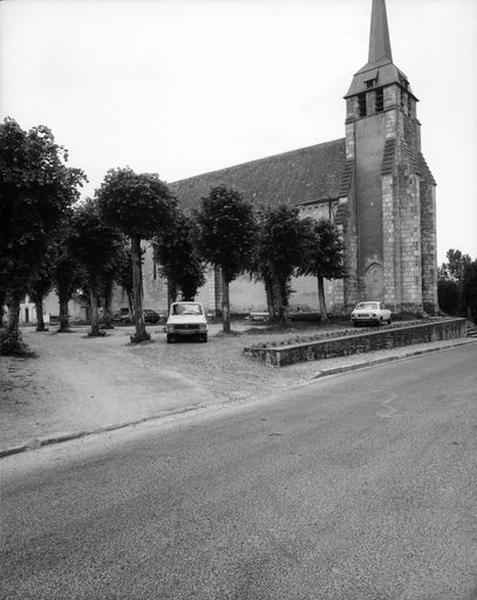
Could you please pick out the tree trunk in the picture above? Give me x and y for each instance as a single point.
(93, 299)
(40, 323)
(460, 297)
(11, 342)
(107, 313)
(13, 325)
(321, 298)
(63, 300)
(270, 302)
(281, 301)
(141, 334)
(225, 303)
(131, 303)
(2, 303)
(171, 293)
(284, 322)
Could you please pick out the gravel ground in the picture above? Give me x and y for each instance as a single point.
(77, 383)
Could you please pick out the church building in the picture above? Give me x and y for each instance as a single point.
(374, 184)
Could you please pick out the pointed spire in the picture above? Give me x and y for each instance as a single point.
(379, 43)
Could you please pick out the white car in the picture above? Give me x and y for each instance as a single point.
(186, 320)
(372, 313)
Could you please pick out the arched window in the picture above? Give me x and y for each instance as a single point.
(374, 280)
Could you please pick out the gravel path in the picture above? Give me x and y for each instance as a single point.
(79, 383)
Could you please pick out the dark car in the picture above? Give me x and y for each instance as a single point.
(151, 316)
(123, 316)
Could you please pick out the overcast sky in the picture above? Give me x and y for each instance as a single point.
(179, 87)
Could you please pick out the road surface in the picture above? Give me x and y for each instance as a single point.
(356, 487)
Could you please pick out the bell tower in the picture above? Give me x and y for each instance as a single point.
(391, 229)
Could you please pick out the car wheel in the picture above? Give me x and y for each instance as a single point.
(203, 339)
(170, 339)
(389, 321)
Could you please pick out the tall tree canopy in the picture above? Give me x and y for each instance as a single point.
(227, 237)
(470, 289)
(179, 261)
(96, 245)
(140, 206)
(36, 188)
(280, 253)
(322, 256)
(454, 269)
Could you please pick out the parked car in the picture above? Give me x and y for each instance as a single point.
(151, 316)
(371, 312)
(186, 320)
(123, 316)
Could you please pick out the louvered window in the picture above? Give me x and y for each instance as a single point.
(379, 100)
(362, 105)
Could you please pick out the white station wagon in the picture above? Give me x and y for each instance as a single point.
(372, 313)
(186, 320)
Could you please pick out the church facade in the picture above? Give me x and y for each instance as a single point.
(374, 184)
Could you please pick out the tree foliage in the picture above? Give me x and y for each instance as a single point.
(454, 269)
(322, 256)
(470, 289)
(447, 295)
(43, 281)
(280, 253)
(69, 274)
(179, 261)
(36, 188)
(140, 206)
(95, 244)
(124, 274)
(227, 237)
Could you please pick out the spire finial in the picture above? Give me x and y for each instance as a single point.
(379, 43)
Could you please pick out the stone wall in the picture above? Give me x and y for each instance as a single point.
(358, 343)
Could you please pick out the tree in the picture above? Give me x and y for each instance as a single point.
(447, 295)
(36, 188)
(179, 262)
(124, 274)
(280, 252)
(470, 289)
(322, 256)
(95, 244)
(454, 269)
(227, 236)
(69, 274)
(140, 206)
(43, 282)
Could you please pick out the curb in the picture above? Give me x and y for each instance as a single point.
(376, 361)
(68, 436)
(58, 438)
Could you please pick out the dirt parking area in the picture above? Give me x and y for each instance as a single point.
(81, 383)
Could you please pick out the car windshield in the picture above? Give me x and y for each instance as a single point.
(368, 305)
(186, 309)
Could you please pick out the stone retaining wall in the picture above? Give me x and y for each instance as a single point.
(382, 339)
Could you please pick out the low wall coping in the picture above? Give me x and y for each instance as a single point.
(278, 350)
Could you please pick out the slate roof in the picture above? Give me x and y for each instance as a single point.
(301, 176)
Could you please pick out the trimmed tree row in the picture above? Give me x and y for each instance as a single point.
(49, 240)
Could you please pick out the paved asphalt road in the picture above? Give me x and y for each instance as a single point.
(358, 486)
